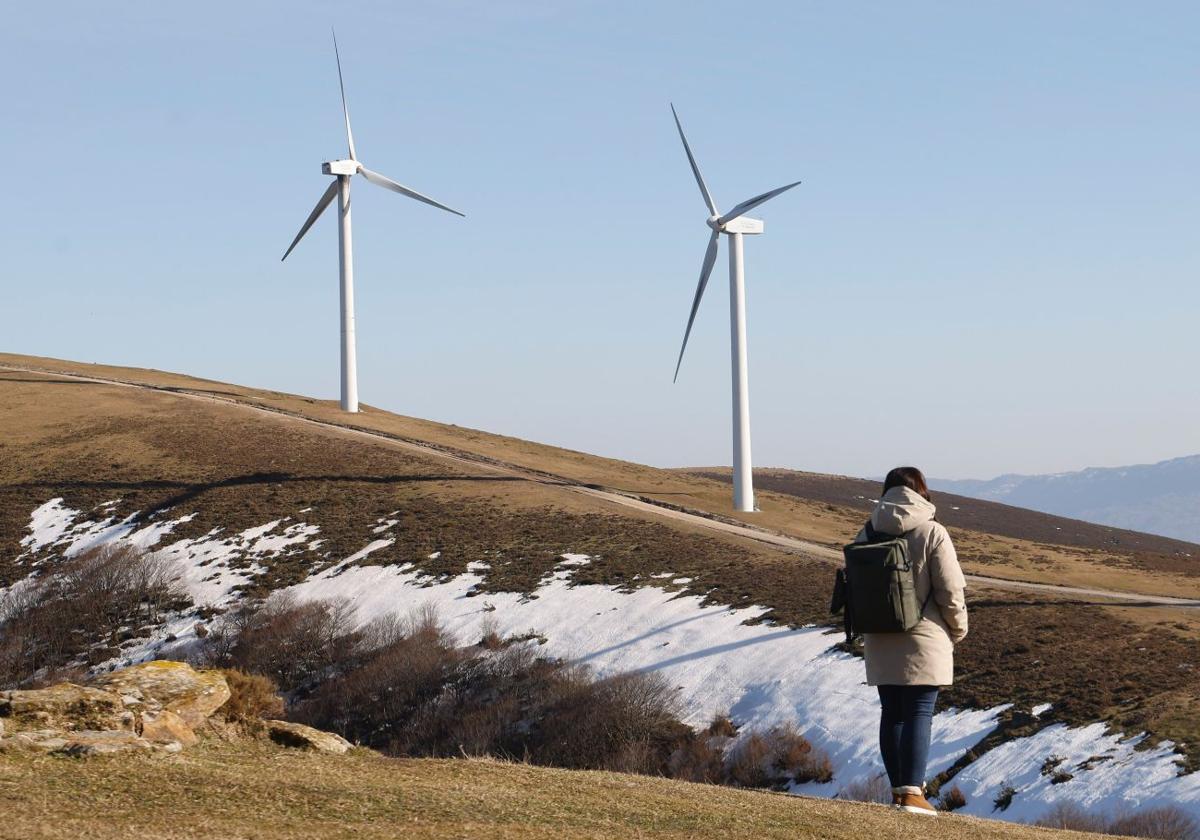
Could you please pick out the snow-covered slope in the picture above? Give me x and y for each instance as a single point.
(760, 674)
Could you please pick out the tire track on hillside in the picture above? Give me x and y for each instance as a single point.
(703, 520)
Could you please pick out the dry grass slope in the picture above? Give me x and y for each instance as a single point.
(238, 468)
(257, 790)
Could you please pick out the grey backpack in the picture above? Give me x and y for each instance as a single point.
(876, 589)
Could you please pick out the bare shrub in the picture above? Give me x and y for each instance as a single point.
(698, 759)
(295, 644)
(627, 722)
(747, 762)
(423, 622)
(875, 789)
(1004, 798)
(776, 758)
(382, 631)
(952, 799)
(1068, 815)
(80, 612)
(1166, 823)
(722, 726)
(252, 697)
(375, 702)
(489, 633)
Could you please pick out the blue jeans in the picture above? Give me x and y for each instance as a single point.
(904, 724)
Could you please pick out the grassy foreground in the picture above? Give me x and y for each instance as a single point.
(258, 790)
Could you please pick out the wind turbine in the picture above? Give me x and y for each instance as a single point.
(343, 170)
(735, 225)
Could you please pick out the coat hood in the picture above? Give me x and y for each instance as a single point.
(900, 510)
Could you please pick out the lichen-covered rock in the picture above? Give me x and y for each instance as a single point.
(102, 743)
(45, 740)
(67, 707)
(174, 686)
(165, 726)
(305, 737)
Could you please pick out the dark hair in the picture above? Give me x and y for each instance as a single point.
(909, 477)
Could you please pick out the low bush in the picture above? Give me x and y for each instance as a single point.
(1004, 798)
(298, 645)
(1164, 823)
(875, 789)
(776, 758)
(252, 697)
(699, 759)
(952, 799)
(1068, 815)
(80, 613)
(722, 726)
(405, 687)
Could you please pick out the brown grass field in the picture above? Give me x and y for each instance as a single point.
(238, 467)
(261, 791)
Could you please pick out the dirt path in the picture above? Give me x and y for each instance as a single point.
(700, 520)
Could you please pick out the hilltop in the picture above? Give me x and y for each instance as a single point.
(624, 565)
(975, 513)
(257, 789)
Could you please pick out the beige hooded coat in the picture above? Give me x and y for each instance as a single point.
(925, 654)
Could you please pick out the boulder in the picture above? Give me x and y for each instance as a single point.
(164, 727)
(174, 686)
(65, 706)
(102, 743)
(305, 737)
(46, 740)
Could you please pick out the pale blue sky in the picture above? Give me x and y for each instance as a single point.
(991, 264)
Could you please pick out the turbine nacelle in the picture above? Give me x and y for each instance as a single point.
(341, 167)
(742, 224)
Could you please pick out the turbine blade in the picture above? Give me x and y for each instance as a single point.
(710, 257)
(345, 109)
(747, 206)
(326, 197)
(708, 199)
(388, 183)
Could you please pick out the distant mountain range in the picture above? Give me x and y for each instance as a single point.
(1162, 498)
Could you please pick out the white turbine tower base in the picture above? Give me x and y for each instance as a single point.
(735, 225)
(346, 276)
(343, 171)
(743, 479)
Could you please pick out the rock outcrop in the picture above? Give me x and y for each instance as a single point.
(305, 737)
(65, 706)
(155, 706)
(172, 686)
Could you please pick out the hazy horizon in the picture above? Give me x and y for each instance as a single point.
(994, 236)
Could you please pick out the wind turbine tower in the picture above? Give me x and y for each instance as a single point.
(343, 171)
(735, 225)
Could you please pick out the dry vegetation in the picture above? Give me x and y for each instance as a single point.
(81, 611)
(1163, 823)
(289, 794)
(405, 688)
(237, 468)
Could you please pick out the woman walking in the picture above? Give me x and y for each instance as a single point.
(909, 667)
